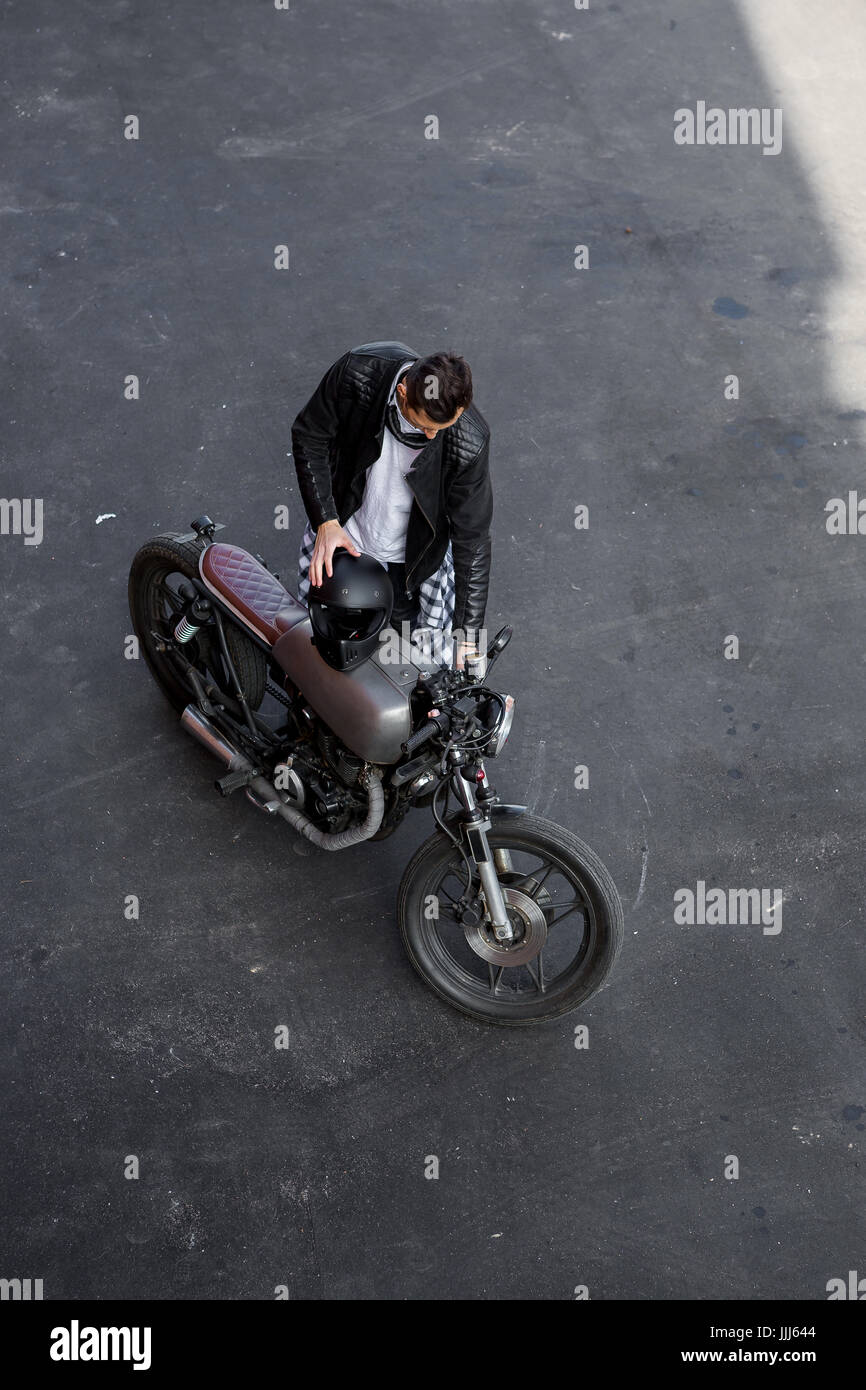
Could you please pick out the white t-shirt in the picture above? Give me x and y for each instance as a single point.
(379, 525)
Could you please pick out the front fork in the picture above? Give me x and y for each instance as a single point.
(475, 825)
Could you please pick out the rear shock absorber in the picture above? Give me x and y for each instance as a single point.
(195, 617)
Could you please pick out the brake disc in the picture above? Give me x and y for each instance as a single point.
(530, 932)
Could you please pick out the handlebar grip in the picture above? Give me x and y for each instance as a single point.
(422, 735)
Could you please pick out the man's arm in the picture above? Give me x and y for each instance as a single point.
(469, 507)
(314, 428)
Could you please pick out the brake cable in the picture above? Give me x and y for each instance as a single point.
(441, 823)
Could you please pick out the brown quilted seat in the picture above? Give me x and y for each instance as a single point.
(250, 590)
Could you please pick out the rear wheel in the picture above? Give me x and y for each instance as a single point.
(563, 907)
(159, 569)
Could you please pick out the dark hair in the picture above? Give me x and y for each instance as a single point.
(439, 385)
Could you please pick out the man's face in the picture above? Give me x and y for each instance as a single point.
(418, 418)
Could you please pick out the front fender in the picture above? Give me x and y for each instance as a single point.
(497, 809)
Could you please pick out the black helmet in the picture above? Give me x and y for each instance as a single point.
(349, 609)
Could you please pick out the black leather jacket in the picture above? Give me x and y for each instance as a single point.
(338, 435)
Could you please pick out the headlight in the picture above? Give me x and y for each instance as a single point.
(497, 743)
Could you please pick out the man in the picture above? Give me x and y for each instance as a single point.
(392, 459)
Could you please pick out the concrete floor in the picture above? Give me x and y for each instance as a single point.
(559, 1167)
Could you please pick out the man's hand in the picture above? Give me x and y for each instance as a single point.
(329, 537)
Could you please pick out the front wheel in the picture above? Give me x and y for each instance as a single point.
(563, 907)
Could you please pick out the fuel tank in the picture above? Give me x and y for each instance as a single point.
(368, 708)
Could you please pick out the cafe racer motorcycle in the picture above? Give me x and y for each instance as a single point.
(507, 916)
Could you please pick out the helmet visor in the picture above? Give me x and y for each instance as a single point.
(349, 624)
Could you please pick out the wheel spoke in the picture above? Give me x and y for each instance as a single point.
(448, 911)
(440, 892)
(554, 921)
(533, 874)
(539, 882)
(538, 980)
(174, 599)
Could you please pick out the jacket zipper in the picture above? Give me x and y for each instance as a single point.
(409, 592)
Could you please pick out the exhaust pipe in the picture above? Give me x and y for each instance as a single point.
(210, 737)
(268, 798)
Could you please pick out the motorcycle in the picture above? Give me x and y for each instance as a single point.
(507, 916)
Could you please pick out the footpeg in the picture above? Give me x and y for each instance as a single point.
(233, 781)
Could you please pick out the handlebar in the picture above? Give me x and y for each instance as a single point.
(439, 724)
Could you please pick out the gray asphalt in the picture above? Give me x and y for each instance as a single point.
(559, 1167)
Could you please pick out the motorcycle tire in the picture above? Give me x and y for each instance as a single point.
(158, 558)
(461, 987)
